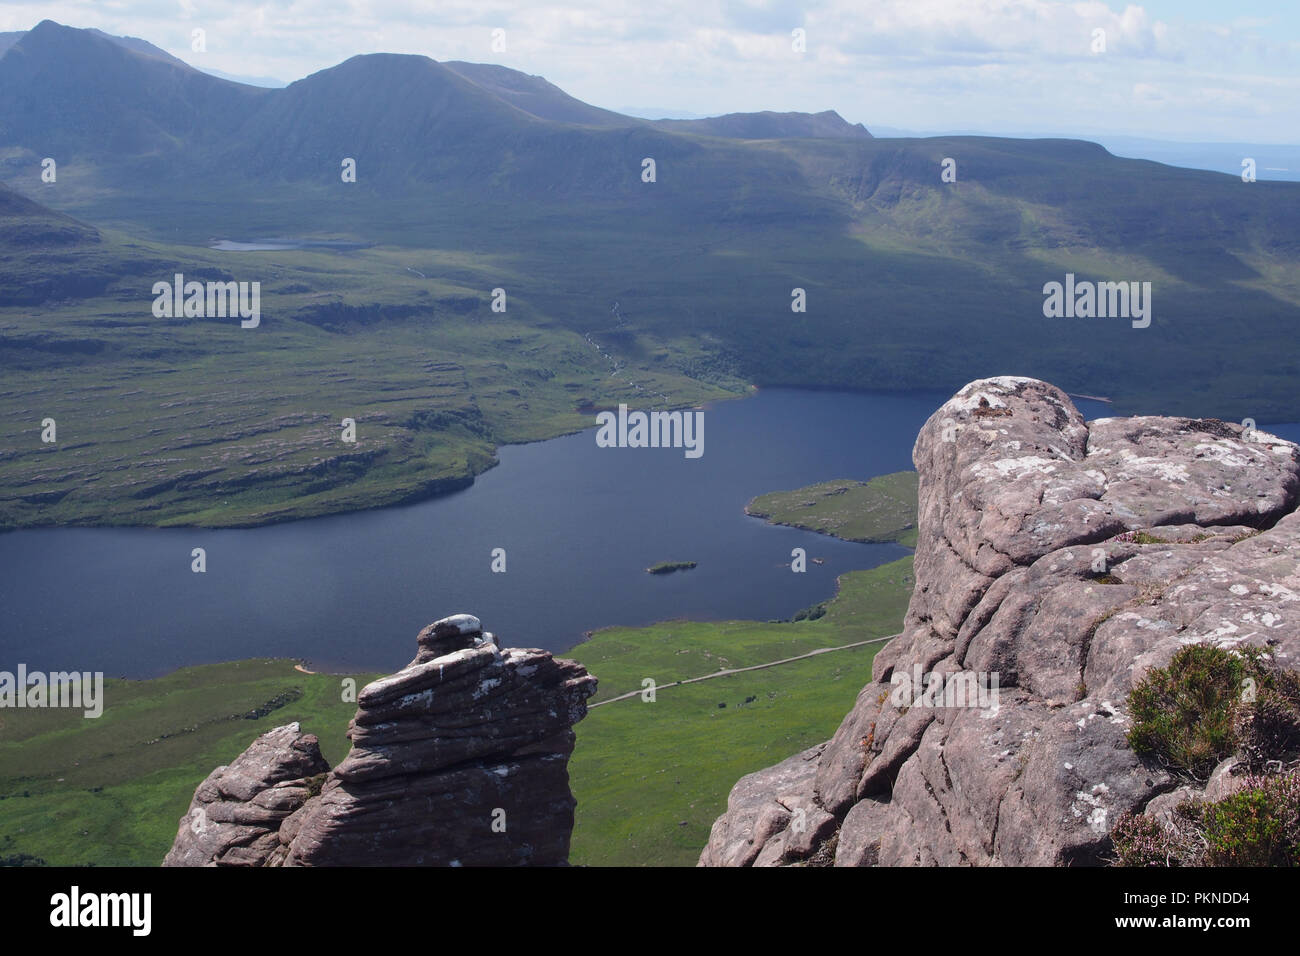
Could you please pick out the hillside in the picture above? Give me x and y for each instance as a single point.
(116, 103)
(473, 177)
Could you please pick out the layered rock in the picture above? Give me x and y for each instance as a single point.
(235, 816)
(1067, 558)
(459, 759)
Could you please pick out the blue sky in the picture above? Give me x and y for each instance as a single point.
(1175, 69)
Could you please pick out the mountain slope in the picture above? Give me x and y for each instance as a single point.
(76, 94)
(535, 96)
(36, 245)
(769, 125)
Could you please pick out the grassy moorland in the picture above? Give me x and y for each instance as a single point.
(882, 509)
(650, 778)
(111, 791)
(188, 421)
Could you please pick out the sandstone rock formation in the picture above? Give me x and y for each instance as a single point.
(459, 759)
(1068, 558)
(235, 816)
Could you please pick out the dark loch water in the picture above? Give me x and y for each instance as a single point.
(579, 525)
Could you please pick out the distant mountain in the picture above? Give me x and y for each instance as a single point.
(658, 113)
(483, 173)
(154, 97)
(1274, 161)
(535, 96)
(410, 120)
(136, 45)
(767, 125)
(70, 93)
(122, 103)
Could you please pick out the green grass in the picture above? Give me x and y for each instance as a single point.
(650, 778)
(110, 791)
(882, 509)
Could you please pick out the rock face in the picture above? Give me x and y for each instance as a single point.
(459, 759)
(235, 816)
(1066, 558)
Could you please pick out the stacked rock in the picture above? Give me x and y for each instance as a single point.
(458, 759)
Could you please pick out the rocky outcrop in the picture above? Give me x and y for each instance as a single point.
(235, 816)
(1065, 558)
(459, 759)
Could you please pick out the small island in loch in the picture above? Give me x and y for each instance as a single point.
(668, 567)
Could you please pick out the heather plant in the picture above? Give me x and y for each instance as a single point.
(1208, 704)
(1259, 825)
(1143, 841)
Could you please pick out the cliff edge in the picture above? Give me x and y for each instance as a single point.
(1058, 562)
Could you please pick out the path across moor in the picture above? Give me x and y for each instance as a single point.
(740, 670)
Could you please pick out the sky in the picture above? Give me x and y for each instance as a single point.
(1192, 70)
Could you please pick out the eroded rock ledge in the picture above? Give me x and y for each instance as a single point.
(459, 759)
(1069, 558)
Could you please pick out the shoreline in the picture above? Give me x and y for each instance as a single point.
(442, 487)
(432, 489)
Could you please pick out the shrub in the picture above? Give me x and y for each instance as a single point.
(811, 613)
(1206, 705)
(1141, 841)
(1256, 826)
(1193, 713)
(1269, 727)
(1183, 714)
